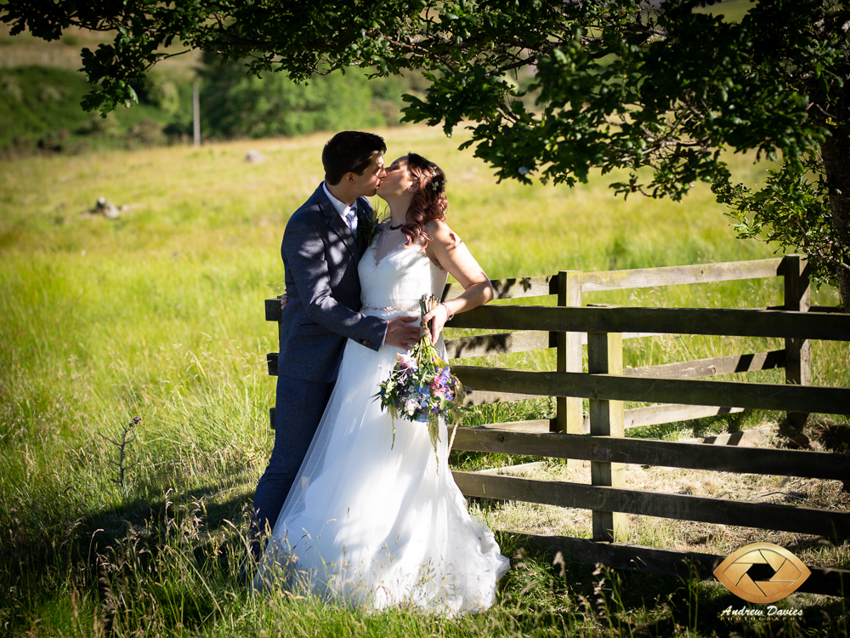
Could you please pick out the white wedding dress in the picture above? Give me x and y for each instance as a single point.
(376, 523)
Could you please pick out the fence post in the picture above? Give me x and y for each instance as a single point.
(605, 356)
(798, 352)
(569, 409)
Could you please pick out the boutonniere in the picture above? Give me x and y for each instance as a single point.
(367, 228)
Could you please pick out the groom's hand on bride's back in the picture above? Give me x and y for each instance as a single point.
(401, 332)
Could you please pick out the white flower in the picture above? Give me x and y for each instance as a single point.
(523, 170)
(411, 405)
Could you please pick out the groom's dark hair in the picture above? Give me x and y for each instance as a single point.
(350, 152)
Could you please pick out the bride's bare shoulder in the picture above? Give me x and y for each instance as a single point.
(441, 234)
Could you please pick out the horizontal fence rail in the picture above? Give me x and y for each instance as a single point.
(515, 288)
(656, 453)
(670, 562)
(682, 275)
(802, 520)
(713, 366)
(637, 278)
(696, 321)
(761, 396)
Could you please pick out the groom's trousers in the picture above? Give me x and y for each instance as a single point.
(299, 406)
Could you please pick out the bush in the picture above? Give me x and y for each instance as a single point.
(235, 104)
(40, 109)
(36, 101)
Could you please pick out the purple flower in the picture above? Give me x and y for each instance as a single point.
(405, 362)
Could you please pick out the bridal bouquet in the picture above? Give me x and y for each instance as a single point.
(421, 386)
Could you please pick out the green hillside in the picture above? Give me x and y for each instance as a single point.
(40, 108)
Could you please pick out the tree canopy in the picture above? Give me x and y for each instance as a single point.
(552, 90)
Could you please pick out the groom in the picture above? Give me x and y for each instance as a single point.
(320, 253)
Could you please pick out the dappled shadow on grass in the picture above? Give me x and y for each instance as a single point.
(129, 561)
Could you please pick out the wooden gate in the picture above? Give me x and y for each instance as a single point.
(598, 436)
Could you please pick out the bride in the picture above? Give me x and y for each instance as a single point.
(370, 521)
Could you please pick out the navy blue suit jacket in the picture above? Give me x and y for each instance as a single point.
(320, 256)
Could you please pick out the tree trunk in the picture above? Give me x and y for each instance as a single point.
(836, 159)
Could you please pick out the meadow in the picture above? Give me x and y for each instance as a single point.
(134, 396)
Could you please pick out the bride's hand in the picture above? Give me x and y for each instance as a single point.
(436, 319)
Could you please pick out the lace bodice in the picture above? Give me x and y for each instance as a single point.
(395, 276)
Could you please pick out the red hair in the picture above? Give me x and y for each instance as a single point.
(429, 199)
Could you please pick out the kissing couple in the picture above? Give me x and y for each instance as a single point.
(354, 514)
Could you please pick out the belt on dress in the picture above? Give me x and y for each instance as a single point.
(390, 308)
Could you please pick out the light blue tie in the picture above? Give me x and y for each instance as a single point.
(351, 220)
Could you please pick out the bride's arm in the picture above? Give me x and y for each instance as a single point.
(448, 250)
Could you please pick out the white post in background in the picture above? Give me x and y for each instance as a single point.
(196, 112)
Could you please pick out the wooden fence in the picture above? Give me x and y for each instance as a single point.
(598, 437)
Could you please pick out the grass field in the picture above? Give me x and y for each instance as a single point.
(159, 315)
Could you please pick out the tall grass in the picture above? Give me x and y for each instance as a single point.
(159, 315)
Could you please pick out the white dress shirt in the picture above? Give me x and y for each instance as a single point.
(342, 208)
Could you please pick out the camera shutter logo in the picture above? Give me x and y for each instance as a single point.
(746, 573)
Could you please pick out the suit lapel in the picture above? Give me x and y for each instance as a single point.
(339, 228)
